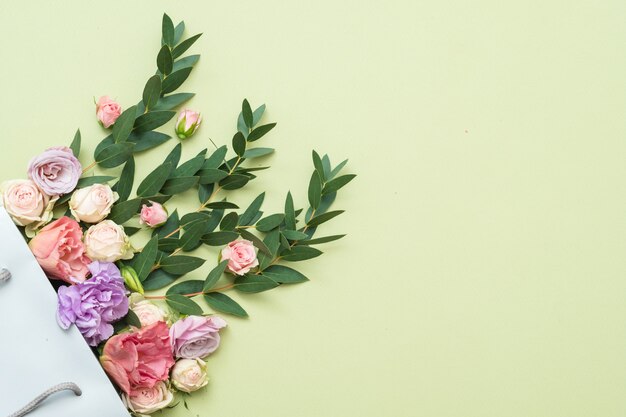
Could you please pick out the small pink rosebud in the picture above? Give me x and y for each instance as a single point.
(107, 111)
(187, 123)
(153, 216)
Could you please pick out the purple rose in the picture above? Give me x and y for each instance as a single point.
(196, 337)
(94, 304)
(56, 171)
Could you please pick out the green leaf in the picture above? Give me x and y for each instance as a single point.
(255, 241)
(169, 244)
(167, 28)
(272, 241)
(181, 264)
(229, 222)
(216, 159)
(319, 167)
(234, 182)
(319, 240)
(124, 210)
(190, 218)
(178, 185)
(257, 152)
(225, 304)
(183, 305)
(106, 142)
(75, 146)
(219, 238)
(178, 32)
(145, 260)
(192, 235)
(152, 120)
(222, 205)
(248, 216)
(132, 319)
(270, 222)
(96, 179)
(322, 218)
(158, 279)
(284, 275)
(290, 214)
(258, 113)
(124, 125)
(115, 155)
(204, 192)
(300, 253)
(326, 166)
(152, 92)
(260, 131)
(186, 287)
(184, 45)
(147, 140)
(172, 101)
(191, 167)
(254, 283)
(294, 235)
(169, 226)
(211, 175)
(247, 113)
(175, 80)
(338, 168)
(165, 61)
(214, 219)
(174, 156)
(239, 144)
(214, 276)
(186, 62)
(241, 126)
(154, 181)
(334, 185)
(315, 190)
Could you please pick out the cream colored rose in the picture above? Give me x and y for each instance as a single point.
(148, 400)
(92, 204)
(189, 375)
(107, 242)
(147, 312)
(26, 204)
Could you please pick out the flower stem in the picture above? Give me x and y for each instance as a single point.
(89, 167)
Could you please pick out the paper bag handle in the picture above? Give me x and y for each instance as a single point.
(35, 403)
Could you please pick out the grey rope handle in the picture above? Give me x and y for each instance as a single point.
(35, 403)
(5, 275)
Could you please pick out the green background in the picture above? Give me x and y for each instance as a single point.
(484, 271)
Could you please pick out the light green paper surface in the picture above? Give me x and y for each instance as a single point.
(484, 274)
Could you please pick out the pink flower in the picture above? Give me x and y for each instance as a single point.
(153, 216)
(187, 124)
(241, 256)
(59, 250)
(139, 359)
(56, 171)
(195, 336)
(107, 111)
(25, 203)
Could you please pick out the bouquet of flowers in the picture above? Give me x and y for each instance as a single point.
(79, 226)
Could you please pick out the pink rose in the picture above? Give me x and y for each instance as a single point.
(187, 124)
(60, 251)
(139, 359)
(107, 242)
(25, 203)
(195, 336)
(154, 215)
(241, 256)
(107, 111)
(148, 400)
(56, 171)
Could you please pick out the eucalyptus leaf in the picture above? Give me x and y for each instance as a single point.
(216, 159)
(178, 185)
(257, 114)
(95, 179)
(158, 279)
(239, 144)
(255, 241)
(124, 125)
(184, 45)
(154, 181)
(174, 156)
(152, 120)
(186, 287)
(225, 304)
(319, 167)
(294, 235)
(169, 245)
(284, 275)
(76, 142)
(191, 167)
(173, 222)
(290, 214)
(181, 264)
(322, 218)
(247, 113)
(260, 131)
(132, 319)
(222, 205)
(320, 240)
(147, 140)
(186, 62)
(205, 191)
(257, 152)
(152, 92)
(254, 283)
(229, 222)
(326, 167)
(300, 253)
(115, 155)
(248, 216)
(234, 182)
(219, 238)
(124, 210)
(192, 235)
(178, 32)
(270, 222)
(334, 185)
(183, 305)
(172, 101)
(315, 190)
(145, 260)
(336, 170)
(175, 80)
(167, 29)
(214, 276)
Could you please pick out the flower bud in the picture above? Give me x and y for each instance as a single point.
(187, 123)
(131, 279)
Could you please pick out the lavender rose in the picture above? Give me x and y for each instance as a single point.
(56, 171)
(196, 337)
(94, 304)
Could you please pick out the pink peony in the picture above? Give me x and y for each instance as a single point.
(107, 111)
(139, 359)
(195, 336)
(241, 256)
(154, 215)
(56, 171)
(59, 250)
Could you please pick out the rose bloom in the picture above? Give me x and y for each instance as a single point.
(92, 204)
(147, 311)
(154, 215)
(26, 204)
(106, 241)
(139, 359)
(189, 375)
(195, 336)
(94, 304)
(187, 123)
(59, 250)
(56, 171)
(107, 111)
(147, 400)
(241, 256)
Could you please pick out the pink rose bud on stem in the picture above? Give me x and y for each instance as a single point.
(154, 215)
(107, 111)
(187, 123)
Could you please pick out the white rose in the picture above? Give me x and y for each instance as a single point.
(25, 203)
(92, 204)
(147, 312)
(189, 375)
(107, 242)
(148, 400)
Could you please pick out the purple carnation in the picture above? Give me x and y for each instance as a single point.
(94, 304)
(56, 171)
